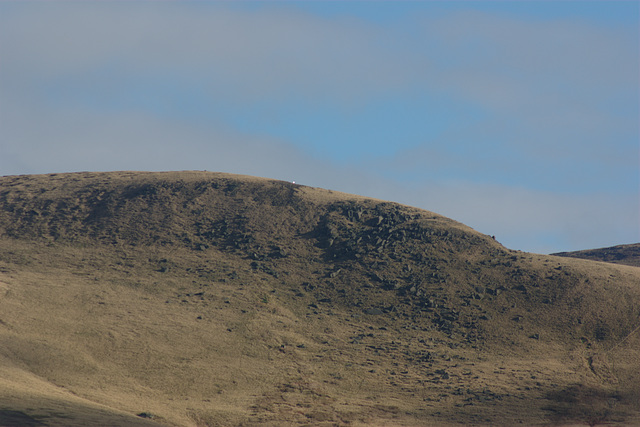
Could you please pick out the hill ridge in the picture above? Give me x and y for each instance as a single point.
(628, 254)
(202, 298)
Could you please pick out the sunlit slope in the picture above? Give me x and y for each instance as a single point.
(621, 254)
(199, 298)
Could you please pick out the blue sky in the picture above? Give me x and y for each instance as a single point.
(517, 118)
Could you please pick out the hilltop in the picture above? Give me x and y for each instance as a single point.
(210, 299)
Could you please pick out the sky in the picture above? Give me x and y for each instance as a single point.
(517, 118)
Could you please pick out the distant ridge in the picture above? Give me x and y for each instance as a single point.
(621, 254)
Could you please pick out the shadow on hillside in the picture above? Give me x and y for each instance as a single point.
(579, 403)
(10, 418)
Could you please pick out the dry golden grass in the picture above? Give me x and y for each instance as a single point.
(621, 254)
(206, 299)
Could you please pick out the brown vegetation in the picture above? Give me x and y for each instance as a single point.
(621, 254)
(206, 299)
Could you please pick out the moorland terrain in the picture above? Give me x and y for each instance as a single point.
(210, 299)
(620, 254)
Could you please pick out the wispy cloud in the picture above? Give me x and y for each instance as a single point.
(222, 51)
(523, 128)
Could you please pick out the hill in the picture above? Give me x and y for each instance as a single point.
(208, 299)
(621, 254)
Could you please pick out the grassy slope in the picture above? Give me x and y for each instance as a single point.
(621, 254)
(214, 299)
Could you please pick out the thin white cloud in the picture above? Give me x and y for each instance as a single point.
(545, 91)
(245, 54)
(573, 53)
(561, 81)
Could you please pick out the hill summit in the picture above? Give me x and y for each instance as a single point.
(205, 299)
